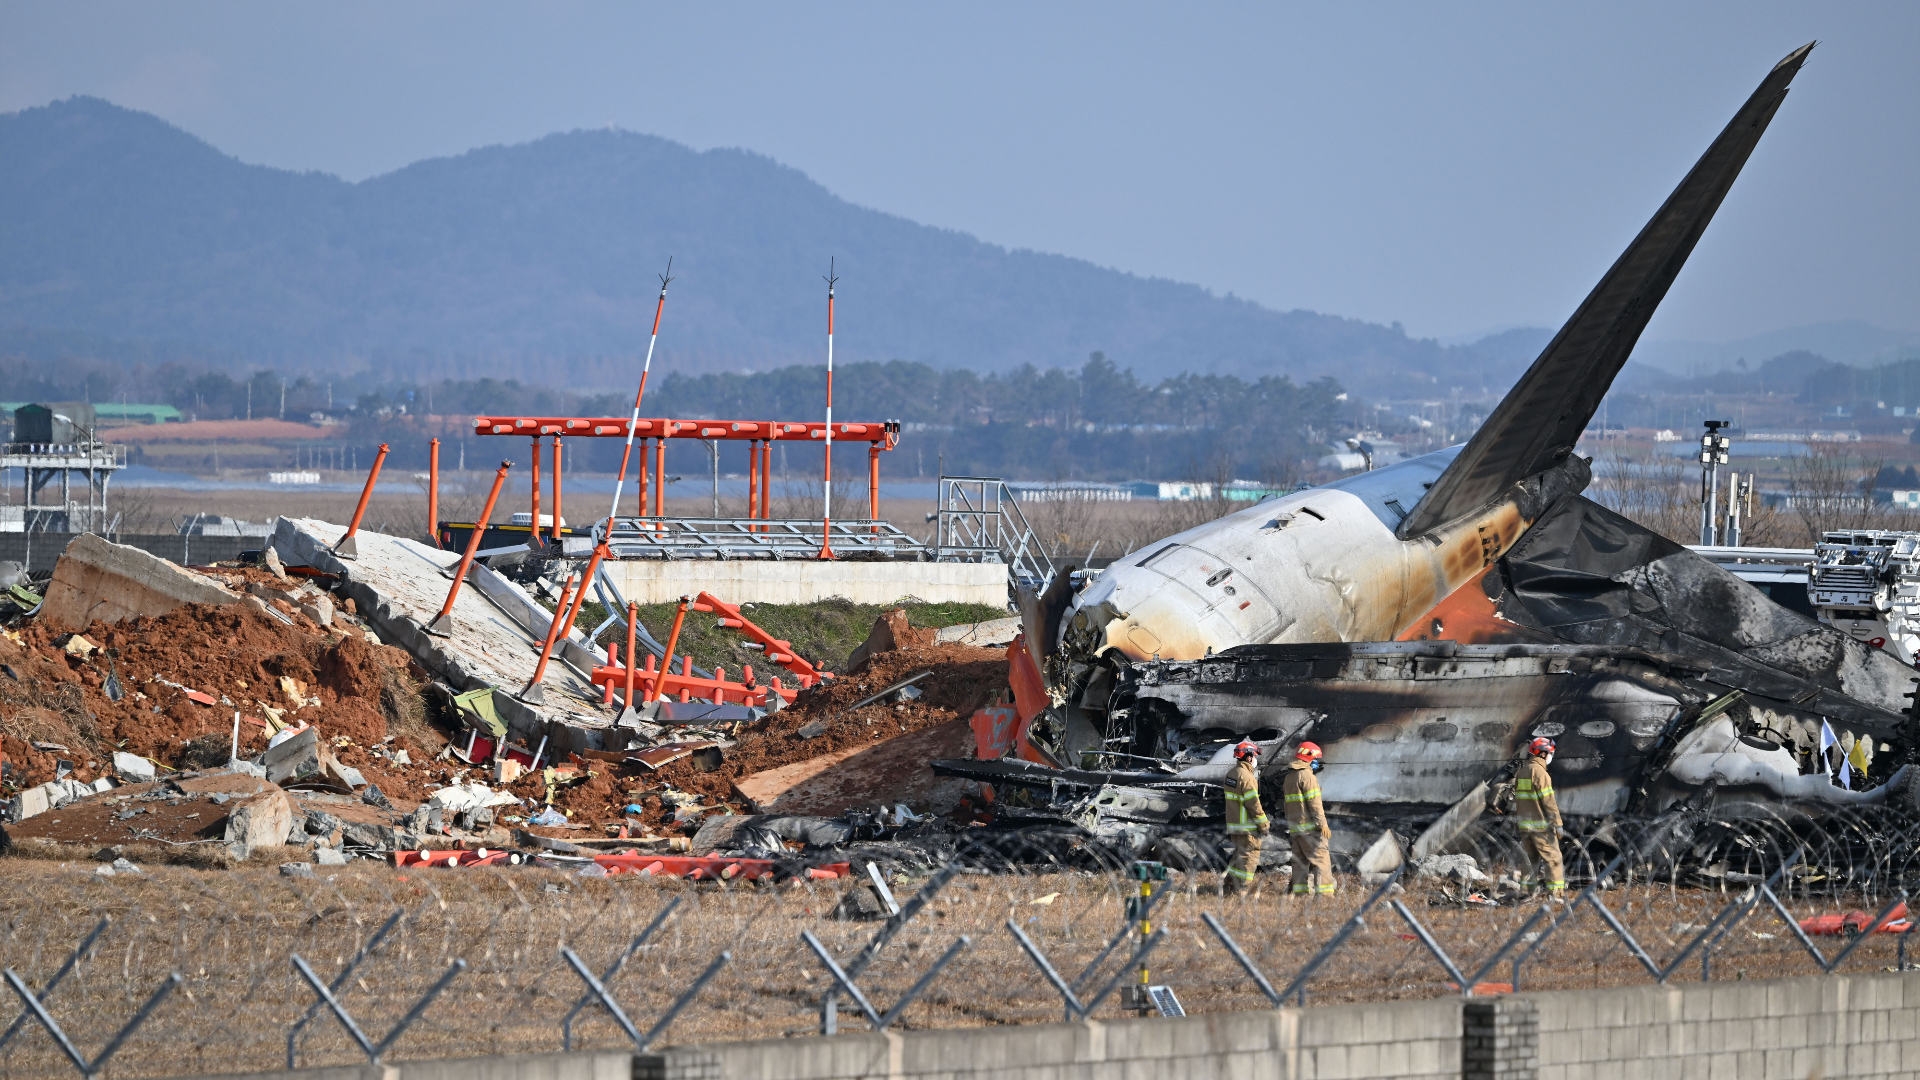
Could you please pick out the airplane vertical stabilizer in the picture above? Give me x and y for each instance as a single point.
(1542, 417)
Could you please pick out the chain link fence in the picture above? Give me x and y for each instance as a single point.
(229, 967)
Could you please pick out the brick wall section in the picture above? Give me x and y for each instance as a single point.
(1832, 1025)
(1500, 1039)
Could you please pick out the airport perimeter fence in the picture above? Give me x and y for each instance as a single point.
(171, 971)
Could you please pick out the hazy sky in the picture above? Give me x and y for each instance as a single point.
(1456, 168)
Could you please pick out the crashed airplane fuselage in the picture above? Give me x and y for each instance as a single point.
(1488, 545)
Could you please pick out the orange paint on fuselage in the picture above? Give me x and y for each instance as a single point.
(1467, 616)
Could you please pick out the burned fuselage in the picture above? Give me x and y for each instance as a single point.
(1411, 726)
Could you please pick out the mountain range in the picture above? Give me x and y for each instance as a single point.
(128, 238)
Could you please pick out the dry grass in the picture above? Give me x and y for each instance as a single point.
(231, 934)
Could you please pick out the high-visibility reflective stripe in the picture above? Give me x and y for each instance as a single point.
(1242, 828)
(1303, 827)
(1327, 889)
(1533, 826)
(1304, 796)
(1239, 873)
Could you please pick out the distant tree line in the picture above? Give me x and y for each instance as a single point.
(1099, 422)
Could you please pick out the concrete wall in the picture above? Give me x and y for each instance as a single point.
(1850, 1025)
(186, 550)
(803, 581)
(1837, 1025)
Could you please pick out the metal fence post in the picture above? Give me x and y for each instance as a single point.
(87, 1068)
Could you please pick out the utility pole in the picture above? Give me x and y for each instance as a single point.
(634, 423)
(1713, 454)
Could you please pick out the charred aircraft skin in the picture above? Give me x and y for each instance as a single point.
(1413, 726)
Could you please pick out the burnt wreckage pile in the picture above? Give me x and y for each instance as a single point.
(1425, 621)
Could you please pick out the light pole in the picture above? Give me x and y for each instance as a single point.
(1713, 454)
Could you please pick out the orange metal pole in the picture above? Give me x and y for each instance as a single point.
(753, 479)
(442, 623)
(660, 480)
(535, 693)
(646, 475)
(533, 534)
(766, 479)
(633, 635)
(346, 548)
(433, 491)
(556, 491)
(873, 485)
(673, 641)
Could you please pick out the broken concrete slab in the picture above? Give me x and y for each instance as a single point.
(294, 759)
(100, 581)
(981, 634)
(497, 630)
(132, 768)
(32, 802)
(890, 631)
(258, 822)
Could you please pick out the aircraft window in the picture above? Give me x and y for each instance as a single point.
(1493, 731)
(1381, 733)
(1440, 731)
(1596, 729)
(1548, 730)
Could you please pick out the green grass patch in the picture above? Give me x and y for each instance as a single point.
(823, 632)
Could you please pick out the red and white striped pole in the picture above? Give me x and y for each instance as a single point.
(637, 397)
(826, 529)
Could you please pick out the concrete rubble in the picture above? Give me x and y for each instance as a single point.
(231, 749)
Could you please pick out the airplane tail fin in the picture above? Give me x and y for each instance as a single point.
(1543, 416)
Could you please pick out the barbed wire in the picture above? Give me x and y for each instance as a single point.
(231, 936)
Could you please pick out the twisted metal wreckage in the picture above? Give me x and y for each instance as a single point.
(1424, 621)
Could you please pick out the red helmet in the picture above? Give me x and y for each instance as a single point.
(1245, 750)
(1541, 746)
(1308, 751)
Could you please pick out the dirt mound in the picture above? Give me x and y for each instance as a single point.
(238, 657)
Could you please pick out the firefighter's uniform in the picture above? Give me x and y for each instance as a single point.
(1537, 815)
(1246, 823)
(1307, 830)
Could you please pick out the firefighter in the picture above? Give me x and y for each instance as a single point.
(1246, 818)
(1307, 830)
(1537, 815)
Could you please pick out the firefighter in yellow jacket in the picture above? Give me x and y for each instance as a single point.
(1246, 818)
(1537, 815)
(1307, 823)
